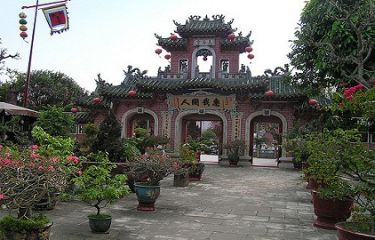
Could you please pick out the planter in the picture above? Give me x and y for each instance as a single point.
(181, 180)
(330, 211)
(146, 196)
(354, 231)
(100, 223)
(233, 160)
(36, 234)
(196, 171)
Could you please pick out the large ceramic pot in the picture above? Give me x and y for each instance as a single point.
(330, 211)
(196, 171)
(100, 223)
(233, 160)
(181, 180)
(355, 231)
(146, 196)
(41, 233)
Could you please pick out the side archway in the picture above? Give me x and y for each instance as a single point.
(130, 113)
(250, 118)
(178, 127)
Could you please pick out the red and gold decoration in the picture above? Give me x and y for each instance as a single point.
(23, 26)
(57, 18)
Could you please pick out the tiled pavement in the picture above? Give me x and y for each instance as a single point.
(228, 203)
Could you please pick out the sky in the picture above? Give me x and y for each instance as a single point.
(107, 36)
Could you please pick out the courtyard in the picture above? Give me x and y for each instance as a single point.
(228, 203)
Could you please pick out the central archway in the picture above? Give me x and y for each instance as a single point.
(179, 131)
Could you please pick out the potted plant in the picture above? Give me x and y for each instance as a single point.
(180, 173)
(333, 196)
(359, 167)
(196, 168)
(148, 171)
(235, 150)
(29, 174)
(98, 187)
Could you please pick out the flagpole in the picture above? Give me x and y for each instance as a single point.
(28, 73)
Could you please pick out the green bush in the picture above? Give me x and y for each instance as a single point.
(10, 223)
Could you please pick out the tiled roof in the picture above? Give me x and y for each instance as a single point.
(169, 45)
(240, 43)
(226, 85)
(194, 25)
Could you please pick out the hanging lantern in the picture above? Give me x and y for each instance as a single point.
(158, 51)
(173, 37)
(231, 37)
(248, 49)
(313, 101)
(132, 93)
(250, 56)
(167, 56)
(269, 93)
(96, 100)
(74, 110)
(205, 58)
(23, 35)
(22, 15)
(23, 21)
(23, 28)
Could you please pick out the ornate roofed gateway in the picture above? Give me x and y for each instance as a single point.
(225, 93)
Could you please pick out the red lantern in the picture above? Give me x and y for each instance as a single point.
(313, 101)
(205, 58)
(231, 37)
(158, 51)
(74, 110)
(96, 100)
(269, 93)
(23, 35)
(173, 37)
(250, 56)
(132, 93)
(248, 49)
(167, 56)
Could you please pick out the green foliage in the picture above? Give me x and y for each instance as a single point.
(52, 146)
(10, 223)
(130, 150)
(91, 132)
(97, 185)
(332, 44)
(47, 88)
(339, 190)
(235, 149)
(55, 122)
(109, 138)
(187, 155)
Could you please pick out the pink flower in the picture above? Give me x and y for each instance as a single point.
(50, 169)
(41, 168)
(73, 159)
(79, 173)
(34, 155)
(2, 196)
(359, 86)
(1, 147)
(350, 97)
(34, 147)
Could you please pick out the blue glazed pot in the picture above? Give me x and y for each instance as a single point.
(146, 196)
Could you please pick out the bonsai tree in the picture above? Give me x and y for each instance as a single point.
(235, 150)
(98, 187)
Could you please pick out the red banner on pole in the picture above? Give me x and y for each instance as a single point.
(57, 18)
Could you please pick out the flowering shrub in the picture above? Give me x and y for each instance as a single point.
(152, 168)
(29, 174)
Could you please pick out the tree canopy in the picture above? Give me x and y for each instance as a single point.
(334, 44)
(46, 88)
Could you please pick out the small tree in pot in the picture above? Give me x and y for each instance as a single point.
(98, 187)
(235, 150)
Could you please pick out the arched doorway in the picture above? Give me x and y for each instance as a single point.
(139, 117)
(203, 62)
(206, 128)
(265, 140)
